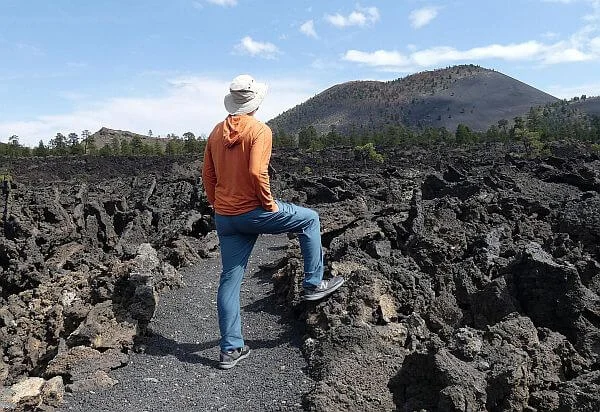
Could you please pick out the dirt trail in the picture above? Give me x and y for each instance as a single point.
(177, 370)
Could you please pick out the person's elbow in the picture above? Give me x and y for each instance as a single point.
(255, 175)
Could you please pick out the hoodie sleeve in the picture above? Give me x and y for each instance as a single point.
(209, 177)
(260, 155)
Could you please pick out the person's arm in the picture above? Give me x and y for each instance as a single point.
(260, 155)
(209, 177)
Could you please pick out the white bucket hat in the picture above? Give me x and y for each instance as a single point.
(245, 95)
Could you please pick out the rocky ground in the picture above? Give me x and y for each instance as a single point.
(473, 276)
(175, 367)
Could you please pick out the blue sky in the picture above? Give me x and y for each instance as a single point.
(136, 65)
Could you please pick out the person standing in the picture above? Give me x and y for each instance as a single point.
(236, 181)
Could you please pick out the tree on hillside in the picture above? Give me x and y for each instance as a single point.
(158, 150)
(72, 139)
(13, 148)
(516, 132)
(503, 126)
(105, 150)
(125, 147)
(150, 133)
(282, 139)
(595, 129)
(534, 119)
(307, 136)
(75, 147)
(333, 138)
(115, 145)
(88, 143)
(534, 147)
(41, 150)
(367, 152)
(189, 143)
(464, 135)
(59, 144)
(493, 133)
(136, 145)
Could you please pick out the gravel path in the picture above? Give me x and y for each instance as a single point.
(177, 371)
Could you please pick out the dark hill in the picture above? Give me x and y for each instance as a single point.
(468, 94)
(590, 106)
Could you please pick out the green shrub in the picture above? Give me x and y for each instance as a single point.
(368, 152)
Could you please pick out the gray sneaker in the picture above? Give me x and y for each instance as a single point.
(229, 359)
(326, 287)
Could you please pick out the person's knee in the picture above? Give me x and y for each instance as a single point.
(313, 217)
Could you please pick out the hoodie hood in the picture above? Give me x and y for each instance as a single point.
(232, 128)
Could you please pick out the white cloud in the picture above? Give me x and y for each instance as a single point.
(190, 104)
(562, 53)
(308, 28)
(579, 47)
(255, 48)
(595, 45)
(423, 16)
(359, 17)
(379, 58)
(223, 2)
(438, 55)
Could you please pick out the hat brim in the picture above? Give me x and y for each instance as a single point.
(248, 107)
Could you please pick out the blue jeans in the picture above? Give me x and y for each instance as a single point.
(237, 235)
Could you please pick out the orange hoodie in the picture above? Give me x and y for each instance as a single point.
(236, 162)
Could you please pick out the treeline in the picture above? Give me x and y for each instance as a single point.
(543, 124)
(72, 144)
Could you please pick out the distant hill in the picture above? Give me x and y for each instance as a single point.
(467, 94)
(104, 137)
(590, 105)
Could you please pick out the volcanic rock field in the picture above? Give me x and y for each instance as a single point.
(472, 275)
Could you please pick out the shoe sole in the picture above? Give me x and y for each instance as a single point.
(323, 294)
(230, 365)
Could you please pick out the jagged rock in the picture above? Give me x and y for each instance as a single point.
(138, 296)
(493, 303)
(467, 343)
(387, 309)
(143, 304)
(439, 266)
(106, 230)
(80, 362)
(433, 187)
(553, 296)
(182, 253)
(4, 370)
(23, 394)
(97, 380)
(379, 248)
(63, 253)
(581, 393)
(208, 245)
(438, 381)
(53, 392)
(199, 225)
(101, 329)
